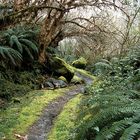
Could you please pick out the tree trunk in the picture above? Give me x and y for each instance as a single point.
(51, 27)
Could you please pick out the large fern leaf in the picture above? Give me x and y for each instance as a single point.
(30, 44)
(10, 54)
(14, 42)
(131, 132)
(26, 49)
(109, 132)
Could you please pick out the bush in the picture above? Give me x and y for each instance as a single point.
(110, 110)
(9, 89)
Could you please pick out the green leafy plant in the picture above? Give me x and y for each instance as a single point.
(9, 89)
(23, 40)
(110, 110)
(9, 54)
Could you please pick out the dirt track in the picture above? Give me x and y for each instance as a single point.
(40, 129)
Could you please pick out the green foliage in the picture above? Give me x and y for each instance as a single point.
(9, 54)
(80, 63)
(110, 110)
(102, 68)
(9, 89)
(18, 83)
(18, 44)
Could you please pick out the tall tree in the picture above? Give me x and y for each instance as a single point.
(53, 15)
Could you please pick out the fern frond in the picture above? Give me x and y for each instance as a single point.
(10, 31)
(105, 117)
(131, 132)
(28, 52)
(111, 114)
(14, 41)
(11, 54)
(117, 127)
(30, 44)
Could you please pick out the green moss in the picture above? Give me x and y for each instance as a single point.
(60, 68)
(80, 63)
(65, 121)
(77, 80)
(85, 73)
(19, 116)
(62, 78)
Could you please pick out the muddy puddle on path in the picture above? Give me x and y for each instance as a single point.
(41, 128)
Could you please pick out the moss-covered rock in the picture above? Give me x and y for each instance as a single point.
(77, 80)
(62, 78)
(80, 63)
(60, 68)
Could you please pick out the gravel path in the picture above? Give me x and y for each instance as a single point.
(42, 127)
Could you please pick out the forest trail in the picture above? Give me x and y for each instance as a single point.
(40, 129)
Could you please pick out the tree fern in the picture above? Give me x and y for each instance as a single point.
(14, 42)
(22, 40)
(11, 54)
(30, 44)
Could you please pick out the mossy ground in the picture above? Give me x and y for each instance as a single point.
(65, 121)
(17, 118)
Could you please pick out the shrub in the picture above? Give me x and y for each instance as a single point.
(9, 89)
(18, 44)
(110, 110)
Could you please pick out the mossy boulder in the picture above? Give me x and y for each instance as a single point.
(80, 63)
(77, 80)
(59, 67)
(62, 78)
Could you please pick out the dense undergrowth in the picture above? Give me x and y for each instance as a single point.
(110, 109)
(19, 69)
